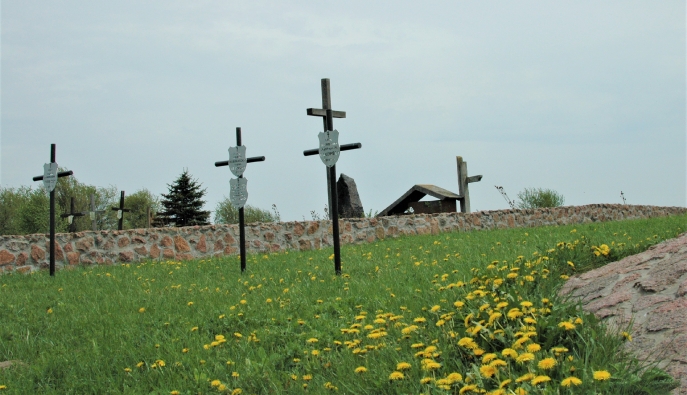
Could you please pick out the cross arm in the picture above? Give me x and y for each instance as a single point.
(473, 179)
(249, 160)
(126, 210)
(80, 214)
(345, 147)
(60, 174)
(319, 112)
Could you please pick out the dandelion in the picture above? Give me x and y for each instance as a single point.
(534, 347)
(361, 369)
(235, 374)
(141, 310)
(403, 366)
(311, 340)
(237, 391)
(458, 304)
(567, 382)
(307, 377)
(396, 376)
(567, 325)
(601, 375)
(488, 357)
(470, 387)
(525, 377)
(435, 308)
(189, 303)
(547, 363)
(454, 377)
(195, 328)
(426, 380)
(525, 357)
(420, 320)
(175, 392)
(509, 352)
(627, 336)
(428, 364)
(128, 370)
(417, 345)
(540, 379)
(487, 371)
(215, 383)
(505, 383)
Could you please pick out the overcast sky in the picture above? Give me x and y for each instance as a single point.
(583, 97)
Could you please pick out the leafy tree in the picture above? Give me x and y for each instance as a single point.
(139, 202)
(226, 213)
(539, 198)
(182, 206)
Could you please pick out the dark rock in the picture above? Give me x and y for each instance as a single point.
(349, 201)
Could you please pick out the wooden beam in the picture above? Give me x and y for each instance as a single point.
(318, 112)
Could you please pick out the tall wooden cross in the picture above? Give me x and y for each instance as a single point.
(329, 153)
(463, 181)
(120, 211)
(322, 112)
(238, 193)
(71, 215)
(49, 178)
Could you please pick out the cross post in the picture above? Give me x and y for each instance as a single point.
(242, 225)
(49, 178)
(93, 213)
(463, 181)
(317, 112)
(120, 211)
(71, 214)
(331, 147)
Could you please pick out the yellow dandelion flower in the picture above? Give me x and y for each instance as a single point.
(534, 347)
(567, 382)
(141, 310)
(525, 377)
(487, 371)
(520, 391)
(403, 366)
(237, 391)
(525, 357)
(488, 357)
(454, 377)
(578, 321)
(307, 377)
(601, 375)
(396, 376)
(435, 308)
(312, 340)
(467, 342)
(420, 320)
(547, 363)
(195, 328)
(505, 383)
(470, 387)
(222, 388)
(458, 304)
(417, 345)
(426, 380)
(627, 336)
(361, 369)
(190, 303)
(540, 379)
(215, 383)
(509, 352)
(498, 362)
(175, 392)
(428, 364)
(526, 304)
(567, 325)
(235, 374)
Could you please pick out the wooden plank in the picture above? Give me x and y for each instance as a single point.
(473, 179)
(318, 112)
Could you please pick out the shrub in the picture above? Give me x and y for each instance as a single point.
(539, 198)
(226, 213)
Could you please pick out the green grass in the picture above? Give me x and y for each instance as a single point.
(290, 326)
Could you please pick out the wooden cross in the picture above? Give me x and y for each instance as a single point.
(322, 112)
(242, 225)
(71, 214)
(120, 211)
(463, 181)
(331, 171)
(52, 175)
(93, 213)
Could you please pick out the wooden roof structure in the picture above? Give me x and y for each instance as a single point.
(416, 193)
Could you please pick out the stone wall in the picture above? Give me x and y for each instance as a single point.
(28, 253)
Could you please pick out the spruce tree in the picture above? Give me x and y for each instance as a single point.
(182, 206)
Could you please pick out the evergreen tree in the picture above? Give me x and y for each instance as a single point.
(182, 206)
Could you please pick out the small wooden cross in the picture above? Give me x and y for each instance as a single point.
(93, 213)
(120, 211)
(50, 171)
(463, 181)
(71, 214)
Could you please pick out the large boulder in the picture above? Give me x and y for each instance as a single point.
(349, 201)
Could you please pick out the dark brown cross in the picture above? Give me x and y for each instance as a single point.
(331, 171)
(322, 112)
(52, 208)
(242, 225)
(71, 215)
(122, 210)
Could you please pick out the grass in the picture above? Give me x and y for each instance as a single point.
(451, 313)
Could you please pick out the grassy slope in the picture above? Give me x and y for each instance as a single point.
(106, 329)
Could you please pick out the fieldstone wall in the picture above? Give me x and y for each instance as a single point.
(28, 253)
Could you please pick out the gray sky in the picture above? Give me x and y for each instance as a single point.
(583, 97)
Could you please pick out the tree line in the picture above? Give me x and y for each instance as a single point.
(25, 210)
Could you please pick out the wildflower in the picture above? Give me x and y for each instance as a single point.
(420, 320)
(567, 382)
(498, 362)
(440, 323)
(627, 336)
(140, 364)
(315, 353)
(534, 347)
(407, 330)
(311, 340)
(403, 366)
(307, 377)
(237, 391)
(128, 370)
(189, 303)
(425, 380)
(470, 387)
(235, 374)
(567, 325)
(435, 308)
(505, 383)
(526, 304)
(525, 377)
(141, 310)
(525, 357)
(428, 364)
(509, 352)
(396, 376)
(540, 379)
(195, 328)
(454, 377)
(458, 304)
(215, 383)
(487, 371)
(175, 392)
(547, 363)
(3, 387)
(417, 345)
(488, 357)
(361, 369)
(467, 342)
(238, 335)
(601, 375)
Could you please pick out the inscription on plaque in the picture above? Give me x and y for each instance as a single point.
(329, 147)
(238, 191)
(49, 176)
(237, 160)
